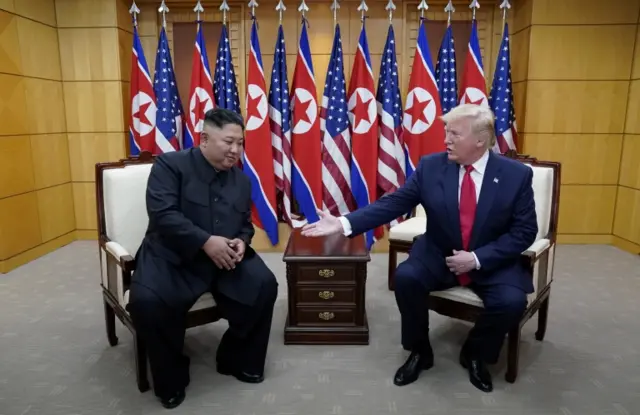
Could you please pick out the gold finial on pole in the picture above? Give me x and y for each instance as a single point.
(280, 8)
(449, 9)
(303, 9)
(253, 4)
(390, 7)
(362, 8)
(422, 7)
(474, 6)
(198, 9)
(133, 11)
(335, 5)
(224, 7)
(164, 10)
(504, 6)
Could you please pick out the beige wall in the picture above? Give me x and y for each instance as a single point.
(572, 67)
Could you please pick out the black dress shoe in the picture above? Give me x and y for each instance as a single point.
(478, 373)
(410, 370)
(174, 400)
(240, 375)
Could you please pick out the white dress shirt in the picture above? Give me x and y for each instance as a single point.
(477, 175)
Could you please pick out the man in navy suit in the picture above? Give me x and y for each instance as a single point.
(480, 217)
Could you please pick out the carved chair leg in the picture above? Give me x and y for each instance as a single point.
(393, 261)
(110, 322)
(542, 319)
(513, 355)
(141, 363)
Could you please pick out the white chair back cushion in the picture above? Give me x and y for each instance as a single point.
(420, 213)
(125, 207)
(542, 194)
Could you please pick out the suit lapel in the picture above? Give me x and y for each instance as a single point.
(488, 192)
(450, 185)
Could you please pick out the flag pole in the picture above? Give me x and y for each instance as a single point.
(198, 9)
(474, 6)
(390, 7)
(225, 8)
(504, 6)
(335, 5)
(303, 9)
(422, 7)
(253, 4)
(362, 8)
(134, 10)
(164, 10)
(280, 8)
(449, 9)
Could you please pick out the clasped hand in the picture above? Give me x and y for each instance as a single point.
(461, 262)
(224, 252)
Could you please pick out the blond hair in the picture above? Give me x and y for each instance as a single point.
(482, 120)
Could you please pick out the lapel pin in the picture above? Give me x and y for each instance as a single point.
(495, 180)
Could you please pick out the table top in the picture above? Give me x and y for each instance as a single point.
(328, 248)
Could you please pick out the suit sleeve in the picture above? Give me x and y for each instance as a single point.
(390, 206)
(163, 208)
(521, 235)
(247, 231)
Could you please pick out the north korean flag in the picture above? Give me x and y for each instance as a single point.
(142, 123)
(473, 89)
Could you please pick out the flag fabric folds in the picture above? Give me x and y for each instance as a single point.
(363, 115)
(280, 123)
(200, 92)
(446, 75)
(501, 99)
(336, 138)
(225, 88)
(257, 162)
(423, 128)
(170, 115)
(391, 151)
(473, 88)
(142, 122)
(306, 173)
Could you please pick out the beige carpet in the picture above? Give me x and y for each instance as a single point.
(55, 359)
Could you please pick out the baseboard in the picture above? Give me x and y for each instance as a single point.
(625, 245)
(587, 239)
(86, 234)
(25, 257)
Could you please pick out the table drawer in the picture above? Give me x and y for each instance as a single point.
(318, 316)
(326, 274)
(326, 295)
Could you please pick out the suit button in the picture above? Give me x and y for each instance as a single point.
(215, 200)
(217, 221)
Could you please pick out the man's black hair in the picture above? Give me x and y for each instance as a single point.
(219, 117)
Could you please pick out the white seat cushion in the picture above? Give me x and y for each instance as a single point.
(466, 296)
(408, 229)
(542, 195)
(205, 301)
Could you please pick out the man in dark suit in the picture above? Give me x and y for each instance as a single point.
(199, 207)
(480, 217)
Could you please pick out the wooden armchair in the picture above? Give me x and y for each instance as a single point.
(463, 304)
(122, 223)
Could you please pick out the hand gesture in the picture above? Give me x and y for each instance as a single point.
(223, 255)
(461, 262)
(239, 247)
(327, 225)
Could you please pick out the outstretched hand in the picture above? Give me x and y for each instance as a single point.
(327, 225)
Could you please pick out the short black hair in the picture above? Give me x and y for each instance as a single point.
(219, 117)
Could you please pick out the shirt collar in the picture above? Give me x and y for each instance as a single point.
(481, 164)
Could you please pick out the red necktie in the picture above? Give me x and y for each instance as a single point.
(467, 214)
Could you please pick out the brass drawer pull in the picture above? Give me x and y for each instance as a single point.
(326, 315)
(326, 295)
(326, 273)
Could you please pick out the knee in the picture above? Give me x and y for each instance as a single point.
(510, 301)
(269, 284)
(144, 306)
(406, 277)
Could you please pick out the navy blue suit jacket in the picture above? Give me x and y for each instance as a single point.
(504, 227)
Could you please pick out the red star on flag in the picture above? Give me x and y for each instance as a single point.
(417, 110)
(141, 114)
(300, 109)
(252, 108)
(360, 111)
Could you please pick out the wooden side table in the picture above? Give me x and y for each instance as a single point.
(326, 279)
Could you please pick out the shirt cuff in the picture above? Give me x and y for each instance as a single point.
(477, 262)
(346, 226)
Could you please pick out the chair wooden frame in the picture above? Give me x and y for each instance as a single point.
(126, 265)
(540, 304)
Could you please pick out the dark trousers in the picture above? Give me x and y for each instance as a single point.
(503, 308)
(243, 346)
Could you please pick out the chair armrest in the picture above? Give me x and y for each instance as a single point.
(536, 251)
(119, 254)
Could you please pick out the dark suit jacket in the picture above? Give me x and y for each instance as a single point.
(188, 201)
(504, 227)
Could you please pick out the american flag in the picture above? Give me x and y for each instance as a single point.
(501, 99)
(391, 151)
(225, 87)
(446, 72)
(280, 122)
(170, 115)
(336, 139)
